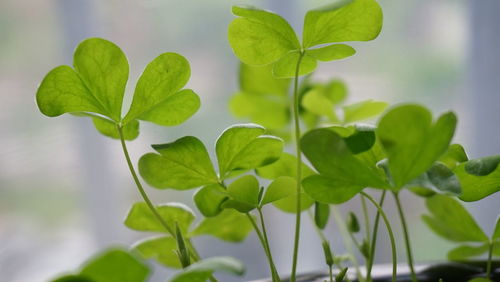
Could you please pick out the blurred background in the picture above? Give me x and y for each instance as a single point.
(64, 189)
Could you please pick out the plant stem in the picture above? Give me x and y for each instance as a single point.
(266, 241)
(406, 236)
(299, 166)
(391, 235)
(488, 263)
(366, 217)
(266, 250)
(330, 272)
(192, 250)
(373, 242)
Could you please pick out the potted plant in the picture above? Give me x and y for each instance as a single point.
(336, 157)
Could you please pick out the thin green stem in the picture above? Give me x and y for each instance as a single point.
(391, 235)
(489, 262)
(265, 247)
(299, 166)
(266, 240)
(406, 236)
(366, 217)
(330, 272)
(373, 242)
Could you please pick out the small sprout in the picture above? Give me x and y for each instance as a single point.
(340, 277)
(182, 251)
(328, 253)
(352, 223)
(365, 249)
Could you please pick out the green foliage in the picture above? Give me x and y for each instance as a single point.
(479, 178)
(209, 199)
(141, 218)
(285, 166)
(162, 249)
(111, 265)
(352, 223)
(95, 87)
(412, 150)
(202, 270)
(229, 225)
(280, 188)
(321, 214)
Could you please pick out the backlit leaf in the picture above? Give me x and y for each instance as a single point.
(161, 249)
(331, 52)
(286, 67)
(363, 110)
(280, 188)
(202, 270)
(229, 225)
(479, 178)
(141, 218)
(209, 199)
(285, 166)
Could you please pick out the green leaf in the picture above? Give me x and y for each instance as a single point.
(183, 164)
(229, 225)
(161, 249)
(209, 199)
(331, 52)
(413, 149)
(319, 104)
(259, 80)
(260, 37)
(362, 140)
(245, 190)
(202, 270)
(450, 220)
(479, 178)
(280, 188)
(285, 166)
(96, 84)
(331, 156)
(363, 110)
(321, 214)
(108, 128)
(352, 223)
(464, 252)
(454, 156)
(328, 190)
(237, 205)
(73, 278)
(157, 96)
(496, 231)
(439, 178)
(266, 110)
(286, 67)
(115, 265)
(244, 146)
(357, 20)
(289, 204)
(141, 218)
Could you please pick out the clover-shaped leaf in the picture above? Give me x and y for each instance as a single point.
(243, 147)
(438, 179)
(412, 141)
(141, 218)
(95, 87)
(208, 199)
(244, 193)
(229, 225)
(280, 188)
(162, 249)
(183, 164)
(479, 177)
(285, 166)
(202, 270)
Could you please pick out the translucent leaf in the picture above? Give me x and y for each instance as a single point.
(363, 110)
(286, 67)
(202, 270)
(209, 199)
(260, 37)
(162, 249)
(450, 220)
(157, 97)
(183, 164)
(285, 166)
(244, 146)
(356, 20)
(259, 80)
(229, 225)
(412, 141)
(141, 218)
(331, 52)
(280, 188)
(266, 110)
(289, 204)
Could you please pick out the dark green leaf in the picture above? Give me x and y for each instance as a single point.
(286, 67)
(328, 253)
(161, 249)
(229, 225)
(183, 164)
(329, 190)
(464, 252)
(209, 199)
(260, 37)
(285, 166)
(412, 142)
(202, 270)
(454, 156)
(482, 166)
(357, 20)
(115, 265)
(280, 188)
(331, 52)
(157, 97)
(321, 214)
(439, 178)
(450, 220)
(242, 147)
(141, 218)
(352, 223)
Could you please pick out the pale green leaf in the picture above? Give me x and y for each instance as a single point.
(141, 218)
(464, 252)
(317, 103)
(331, 52)
(259, 80)
(280, 188)
(246, 190)
(363, 110)
(108, 128)
(479, 178)
(229, 225)
(162, 249)
(209, 199)
(285, 166)
(183, 164)
(267, 110)
(454, 156)
(260, 37)
(450, 220)
(286, 67)
(355, 20)
(412, 141)
(289, 204)
(202, 270)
